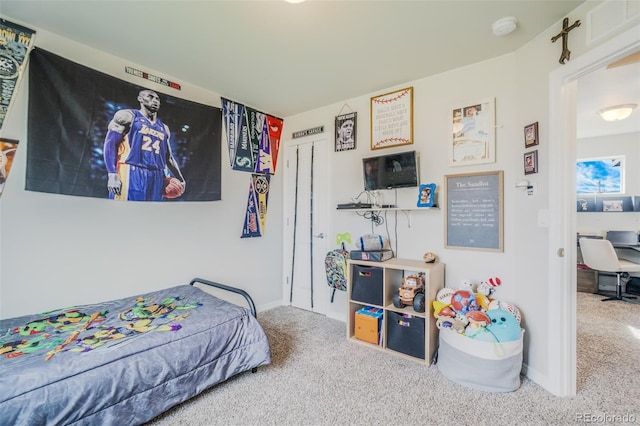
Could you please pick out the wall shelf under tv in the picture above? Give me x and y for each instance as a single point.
(407, 211)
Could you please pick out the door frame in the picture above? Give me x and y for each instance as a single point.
(562, 221)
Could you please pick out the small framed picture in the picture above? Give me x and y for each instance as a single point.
(531, 135)
(426, 195)
(531, 162)
(346, 126)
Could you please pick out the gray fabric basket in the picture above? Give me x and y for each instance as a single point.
(487, 366)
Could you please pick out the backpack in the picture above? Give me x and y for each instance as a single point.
(336, 267)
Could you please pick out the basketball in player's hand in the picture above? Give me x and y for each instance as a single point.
(173, 188)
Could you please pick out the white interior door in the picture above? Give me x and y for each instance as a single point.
(305, 225)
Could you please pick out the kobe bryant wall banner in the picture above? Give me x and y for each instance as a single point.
(78, 147)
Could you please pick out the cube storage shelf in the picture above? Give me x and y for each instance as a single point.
(403, 331)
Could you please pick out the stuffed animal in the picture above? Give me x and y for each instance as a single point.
(509, 307)
(502, 328)
(477, 321)
(489, 286)
(466, 285)
(464, 301)
(444, 295)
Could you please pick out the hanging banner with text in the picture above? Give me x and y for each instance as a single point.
(15, 43)
(474, 211)
(94, 135)
(253, 138)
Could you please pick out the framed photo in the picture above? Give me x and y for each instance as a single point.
(392, 119)
(473, 137)
(531, 162)
(426, 195)
(346, 126)
(531, 135)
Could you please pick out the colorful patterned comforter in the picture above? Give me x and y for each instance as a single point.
(124, 361)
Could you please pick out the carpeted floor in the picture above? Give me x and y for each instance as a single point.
(317, 377)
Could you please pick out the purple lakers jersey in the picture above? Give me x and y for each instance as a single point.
(146, 143)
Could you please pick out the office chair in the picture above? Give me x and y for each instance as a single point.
(601, 256)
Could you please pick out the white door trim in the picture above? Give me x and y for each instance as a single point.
(562, 227)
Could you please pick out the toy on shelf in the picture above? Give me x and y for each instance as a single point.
(411, 293)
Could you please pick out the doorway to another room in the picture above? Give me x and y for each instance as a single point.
(562, 204)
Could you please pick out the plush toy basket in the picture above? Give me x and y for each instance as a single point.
(488, 366)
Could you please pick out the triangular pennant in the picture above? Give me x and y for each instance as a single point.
(261, 188)
(275, 130)
(232, 117)
(245, 157)
(264, 164)
(251, 227)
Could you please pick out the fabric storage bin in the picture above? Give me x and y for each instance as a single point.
(405, 333)
(488, 366)
(367, 284)
(368, 324)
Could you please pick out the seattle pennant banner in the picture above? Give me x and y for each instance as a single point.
(256, 216)
(15, 43)
(253, 138)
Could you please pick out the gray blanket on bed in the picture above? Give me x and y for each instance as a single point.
(124, 361)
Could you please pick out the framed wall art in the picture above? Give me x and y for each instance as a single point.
(473, 136)
(392, 119)
(346, 125)
(531, 162)
(474, 211)
(531, 135)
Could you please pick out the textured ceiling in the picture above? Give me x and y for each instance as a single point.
(286, 58)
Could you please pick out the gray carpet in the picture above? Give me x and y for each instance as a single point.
(319, 378)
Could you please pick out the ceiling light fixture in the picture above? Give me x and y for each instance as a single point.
(617, 112)
(504, 26)
(294, 1)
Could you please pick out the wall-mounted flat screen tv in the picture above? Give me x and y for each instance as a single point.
(390, 171)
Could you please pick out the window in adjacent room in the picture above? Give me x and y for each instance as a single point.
(603, 175)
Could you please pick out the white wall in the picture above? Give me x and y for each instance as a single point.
(51, 245)
(60, 250)
(520, 84)
(627, 144)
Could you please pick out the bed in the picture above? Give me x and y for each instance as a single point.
(125, 361)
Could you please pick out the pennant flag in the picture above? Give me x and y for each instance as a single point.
(244, 159)
(232, 114)
(15, 43)
(275, 130)
(253, 138)
(256, 125)
(256, 215)
(8, 149)
(265, 162)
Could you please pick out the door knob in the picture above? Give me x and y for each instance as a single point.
(320, 235)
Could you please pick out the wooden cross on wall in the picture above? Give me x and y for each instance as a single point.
(566, 53)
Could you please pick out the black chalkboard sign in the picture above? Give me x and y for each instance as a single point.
(474, 211)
